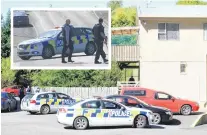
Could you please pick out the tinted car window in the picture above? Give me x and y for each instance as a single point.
(51, 95)
(162, 96)
(42, 96)
(92, 104)
(111, 105)
(88, 31)
(10, 96)
(135, 92)
(62, 96)
(78, 31)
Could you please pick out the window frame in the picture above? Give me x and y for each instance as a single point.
(145, 92)
(156, 96)
(89, 102)
(205, 31)
(166, 39)
(62, 94)
(52, 94)
(118, 104)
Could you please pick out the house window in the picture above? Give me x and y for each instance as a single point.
(168, 31)
(183, 66)
(205, 31)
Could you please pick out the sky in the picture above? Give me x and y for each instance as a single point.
(6, 4)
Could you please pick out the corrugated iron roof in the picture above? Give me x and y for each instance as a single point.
(188, 11)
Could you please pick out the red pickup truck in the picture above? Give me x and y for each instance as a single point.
(13, 89)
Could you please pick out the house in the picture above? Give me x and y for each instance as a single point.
(173, 50)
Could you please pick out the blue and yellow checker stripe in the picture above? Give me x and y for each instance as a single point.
(100, 113)
(82, 39)
(49, 101)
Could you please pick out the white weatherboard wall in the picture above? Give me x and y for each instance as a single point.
(160, 60)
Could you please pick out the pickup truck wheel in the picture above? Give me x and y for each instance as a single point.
(186, 110)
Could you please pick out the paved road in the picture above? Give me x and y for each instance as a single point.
(42, 21)
(22, 123)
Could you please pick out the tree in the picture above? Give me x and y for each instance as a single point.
(7, 75)
(114, 5)
(5, 37)
(191, 2)
(124, 17)
(78, 78)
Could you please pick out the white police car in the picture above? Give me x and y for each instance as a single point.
(45, 102)
(102, 112)
(50, 43)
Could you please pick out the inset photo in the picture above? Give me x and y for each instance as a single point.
(52, 38)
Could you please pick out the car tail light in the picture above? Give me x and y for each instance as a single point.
(62, 110)
(32, 101)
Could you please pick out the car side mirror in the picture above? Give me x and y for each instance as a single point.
(139, 106)
(173, 99)
(123, 108)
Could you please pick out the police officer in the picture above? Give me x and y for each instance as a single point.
(21, 93)
(67, 31)
(99, 37)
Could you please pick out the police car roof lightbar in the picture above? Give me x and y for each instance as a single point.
(57, 27)
(97, 97)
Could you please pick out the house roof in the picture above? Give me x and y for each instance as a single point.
(174, 11)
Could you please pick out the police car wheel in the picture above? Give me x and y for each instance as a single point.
(80, 123)
(90, 48)
(25, 57)
(140, 121)
(47, 52)
(45, 109)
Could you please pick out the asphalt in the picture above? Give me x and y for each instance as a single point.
(22, 123)
(42, 21)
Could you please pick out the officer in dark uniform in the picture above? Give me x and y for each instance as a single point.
(67, 31)
(99, 37)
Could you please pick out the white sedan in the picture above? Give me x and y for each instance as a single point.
(103, 112)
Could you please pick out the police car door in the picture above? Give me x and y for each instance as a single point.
(79, 43)
(117, 114)
(59, 43)
(93, 112)
(52, 99)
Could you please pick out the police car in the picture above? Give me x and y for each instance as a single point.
(50, 43)
(45, 102)
(102, 112)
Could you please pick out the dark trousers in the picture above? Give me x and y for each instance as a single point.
(65, 48)
(100, 51)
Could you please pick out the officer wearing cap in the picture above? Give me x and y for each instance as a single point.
(67, 31)
(99, 38)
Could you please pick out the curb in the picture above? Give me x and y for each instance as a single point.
(201, 120)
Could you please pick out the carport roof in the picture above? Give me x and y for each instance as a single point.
(174, 11)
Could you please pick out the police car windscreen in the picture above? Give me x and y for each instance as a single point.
(29, 96)
(49, 34)
(135, 92)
